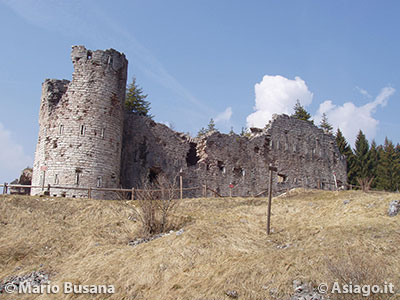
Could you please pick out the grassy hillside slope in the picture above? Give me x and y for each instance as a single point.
(316, 238)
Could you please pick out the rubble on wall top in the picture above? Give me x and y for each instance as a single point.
(103, 57)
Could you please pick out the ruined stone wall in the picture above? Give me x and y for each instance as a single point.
(303, 154)
(87, 140)
(81, 123)
(149, 149)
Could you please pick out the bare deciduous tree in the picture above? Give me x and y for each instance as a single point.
(156, 202)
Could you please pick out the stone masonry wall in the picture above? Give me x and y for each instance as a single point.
(150, 148)
(81, 123)
(87, 140)
(303, 154)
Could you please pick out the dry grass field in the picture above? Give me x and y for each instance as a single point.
(316, 238)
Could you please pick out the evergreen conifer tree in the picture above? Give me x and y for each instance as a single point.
(201, 132)
(388, 170)
(374, 160)
(361, 153)
(362, 162)
(345, 149)
(135, 100)
(325, 125)
(301, 113)
(211, 126)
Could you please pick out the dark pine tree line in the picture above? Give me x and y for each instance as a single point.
(371, 166)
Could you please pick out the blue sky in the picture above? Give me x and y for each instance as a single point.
(235, 61)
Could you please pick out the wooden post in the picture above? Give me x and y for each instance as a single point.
(5, 188)
(44, 169)
(89, 193)
(181, 183)
(48, 188)
(44, 177)
(181, 186)
(133, 194)
(271, 169)
(334, 177)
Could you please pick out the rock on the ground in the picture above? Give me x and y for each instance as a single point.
(232, 293)
(304, 291)
(35, 278)
(139, 241)
(394, 208)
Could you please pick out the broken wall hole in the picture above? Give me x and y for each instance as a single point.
(238, 172)
(191, 157)
(282, 178)
(154, 172)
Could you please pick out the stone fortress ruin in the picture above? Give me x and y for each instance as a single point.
(87, 139)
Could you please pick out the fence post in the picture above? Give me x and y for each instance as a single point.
(334, 177)
(181, 183)
(181, 186)
(90, 193)
(44, 178)
(5, 188)
(133, 194)
(48, 188)
(271, 169)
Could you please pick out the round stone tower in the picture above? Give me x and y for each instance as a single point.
(80, 126)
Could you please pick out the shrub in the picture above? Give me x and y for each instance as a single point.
(156, 203)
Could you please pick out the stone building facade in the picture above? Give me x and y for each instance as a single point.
(87, 140)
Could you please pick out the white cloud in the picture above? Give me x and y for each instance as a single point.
(12, 157)
(170, 125)
(225, 116)
(277, 94)
(363, 92)
(166, 123)
(351, 118)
